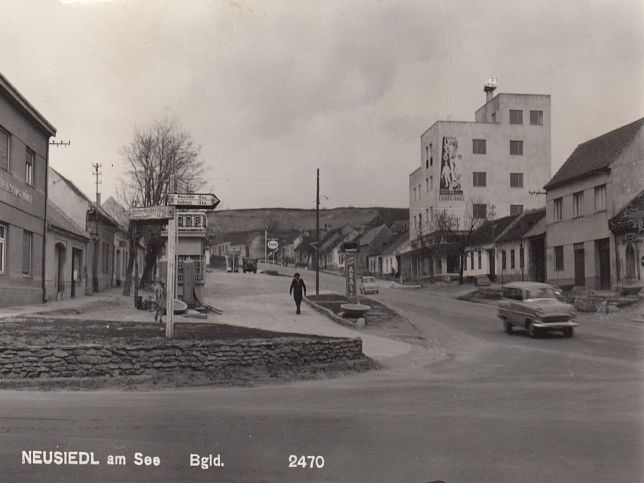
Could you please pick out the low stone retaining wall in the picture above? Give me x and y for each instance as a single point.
(128, 360)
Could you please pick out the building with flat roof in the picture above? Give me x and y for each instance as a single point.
(24, 159)
(491, 167)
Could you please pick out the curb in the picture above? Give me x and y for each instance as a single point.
(330, 314)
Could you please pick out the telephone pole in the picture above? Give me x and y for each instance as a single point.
(317, 236)
(96, 173)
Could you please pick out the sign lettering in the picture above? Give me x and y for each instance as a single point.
(15, 191)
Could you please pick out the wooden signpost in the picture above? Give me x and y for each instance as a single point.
(168, 214)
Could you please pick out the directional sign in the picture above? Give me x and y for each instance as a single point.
(152, 213)
(273, 245)
(207, 201)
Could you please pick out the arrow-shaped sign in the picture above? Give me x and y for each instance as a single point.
(207, 201)
(152, 213)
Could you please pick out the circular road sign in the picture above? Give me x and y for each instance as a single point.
(273, 245)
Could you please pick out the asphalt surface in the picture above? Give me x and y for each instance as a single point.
(467, 404)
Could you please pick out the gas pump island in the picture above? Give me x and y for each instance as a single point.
(183, 265)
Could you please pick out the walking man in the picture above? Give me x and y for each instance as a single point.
(297, 287)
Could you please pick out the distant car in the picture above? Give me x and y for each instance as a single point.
(368, 285)
(535, 307)
(250, 265)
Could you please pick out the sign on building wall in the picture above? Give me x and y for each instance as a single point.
(450, 181)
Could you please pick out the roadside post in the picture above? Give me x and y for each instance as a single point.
(169, 286)
(272, 245)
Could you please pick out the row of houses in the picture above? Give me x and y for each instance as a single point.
(491, 179)
(55, 243)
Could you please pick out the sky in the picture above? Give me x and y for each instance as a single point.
(273, 90)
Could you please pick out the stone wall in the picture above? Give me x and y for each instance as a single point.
(187, 356)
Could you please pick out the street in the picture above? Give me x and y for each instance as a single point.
(467, 403)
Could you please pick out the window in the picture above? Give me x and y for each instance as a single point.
(479, 178)
(479, 211)
(198, 221)
(600, 198)
(472, 260)
(27, 244)
(516, 210)
(4, 149)
(420, 221)
(516, 180)
(427, 185)
(188, 221)
(512, 258)
(414, 193)
(516, 148)
(431, 155)
(536, 118)
(30, 158)
(559, 259)
(479, 259)
(516, 116)
(558, 209)
(3, 247)
(521, 257)
(180, 221)
(479, 146)
(426, 156)
(578, 203)
(494, 117)
(504, 264)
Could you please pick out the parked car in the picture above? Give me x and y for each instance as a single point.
(368, 285)
(534, 306)
(250, 265)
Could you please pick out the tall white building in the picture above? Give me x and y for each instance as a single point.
(486, 168)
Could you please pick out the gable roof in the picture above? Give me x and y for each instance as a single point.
(522, 225)
(396, 243)
(239, 237)
(116, 211)
(491, 229)
(595, 155)
(92, 205)
(371, 234)
(57, 219)
(623, 221)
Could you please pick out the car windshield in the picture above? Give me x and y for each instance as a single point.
(368, 279)
(541, 293)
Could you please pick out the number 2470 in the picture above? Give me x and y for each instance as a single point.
(312, 462)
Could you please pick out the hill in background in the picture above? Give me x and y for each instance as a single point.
(281, 220)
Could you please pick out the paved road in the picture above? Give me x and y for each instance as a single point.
(472, 405)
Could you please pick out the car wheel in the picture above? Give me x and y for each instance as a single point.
(568, 332)
(532, 330)
(507, 326)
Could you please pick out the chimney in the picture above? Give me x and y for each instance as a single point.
(489, 87)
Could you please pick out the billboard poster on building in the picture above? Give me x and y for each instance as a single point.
(450, 181)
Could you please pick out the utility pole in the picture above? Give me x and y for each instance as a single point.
(96, 173)
(317, 236)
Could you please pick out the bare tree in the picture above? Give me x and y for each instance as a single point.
(156, 154)
(452, 235)
(635, 216)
